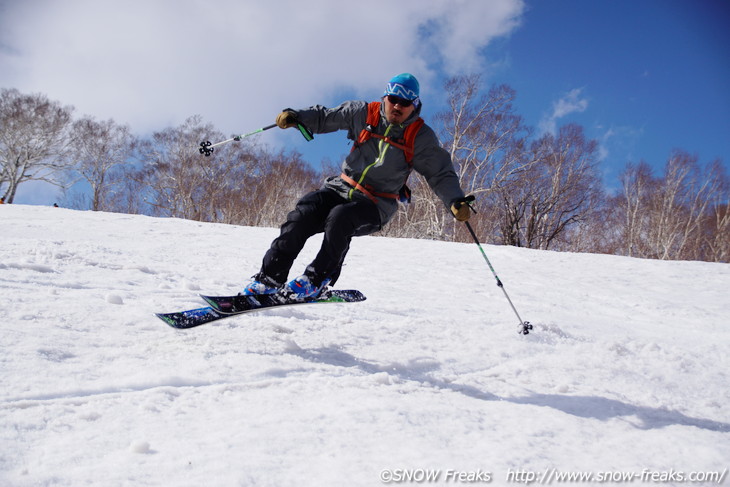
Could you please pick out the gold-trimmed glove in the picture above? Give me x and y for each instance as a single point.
(460, 208)
(286, 119)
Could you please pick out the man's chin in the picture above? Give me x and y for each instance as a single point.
(393, 118)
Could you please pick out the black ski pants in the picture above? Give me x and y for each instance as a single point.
(320, 211)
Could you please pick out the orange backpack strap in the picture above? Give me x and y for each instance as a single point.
(409, 139)
(373, 195)
(372, 121)
(406, 144)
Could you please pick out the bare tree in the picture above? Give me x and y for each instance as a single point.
(32, 139)
(130, 191)
(680, 201)
(559, 187)
(717, 228)
(481, 131)
(268, 190)
(180, 181)
(638, 187)
(680, 215)
(240, 183)
(598, 234)
(99, 151)
(424, 217)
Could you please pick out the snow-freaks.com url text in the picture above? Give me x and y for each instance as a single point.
(554, 475)
(549, 476)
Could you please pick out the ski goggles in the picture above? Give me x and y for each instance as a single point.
(397, 100)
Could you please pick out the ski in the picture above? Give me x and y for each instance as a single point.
(192, 317)
(227, 306)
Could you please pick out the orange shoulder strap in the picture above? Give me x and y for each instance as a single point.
(373, 113)
(372, 121)
(409, 136)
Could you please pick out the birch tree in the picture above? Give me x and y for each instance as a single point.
(638, 187)
(560, 187)
(717, 236)
(33, 137)
(99, 151)
(183, 183)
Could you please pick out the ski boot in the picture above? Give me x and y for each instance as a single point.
(302, 288)
(260, 285)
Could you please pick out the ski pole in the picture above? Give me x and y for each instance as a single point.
(525, 326)
(206, 148)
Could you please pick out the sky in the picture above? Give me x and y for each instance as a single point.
(643, 77)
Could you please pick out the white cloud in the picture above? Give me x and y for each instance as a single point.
(152, 64)
(604, 142)
(571, 102)
(619, 141)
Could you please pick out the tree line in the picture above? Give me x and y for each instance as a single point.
(536, 191)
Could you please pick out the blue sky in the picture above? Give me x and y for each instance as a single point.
(643, 77)
(652, 75)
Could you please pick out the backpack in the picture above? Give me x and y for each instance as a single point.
(406, 143)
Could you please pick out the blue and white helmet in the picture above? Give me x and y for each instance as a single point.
(404, 85)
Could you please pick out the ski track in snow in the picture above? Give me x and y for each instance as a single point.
(626, 369)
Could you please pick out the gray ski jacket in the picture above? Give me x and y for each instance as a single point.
(384, 166)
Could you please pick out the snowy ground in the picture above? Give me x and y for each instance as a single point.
(625, 373)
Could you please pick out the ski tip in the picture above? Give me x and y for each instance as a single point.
(166, 318)
(190, 318)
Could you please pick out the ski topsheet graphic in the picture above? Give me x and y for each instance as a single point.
(225, 306)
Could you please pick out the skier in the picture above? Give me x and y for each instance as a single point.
(365, 196)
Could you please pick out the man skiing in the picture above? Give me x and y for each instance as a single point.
(365, 196)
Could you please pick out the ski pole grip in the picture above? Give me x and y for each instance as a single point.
(466, 200)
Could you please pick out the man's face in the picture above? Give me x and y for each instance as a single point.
(395, 112)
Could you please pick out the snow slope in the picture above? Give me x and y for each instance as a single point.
(626, 370)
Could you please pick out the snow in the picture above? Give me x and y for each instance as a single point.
(625, 371)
